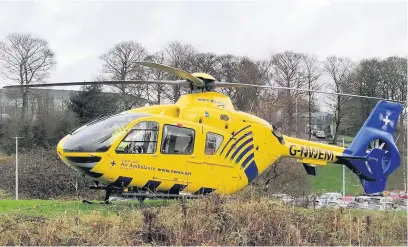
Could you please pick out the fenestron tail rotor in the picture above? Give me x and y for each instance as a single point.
(377, 144)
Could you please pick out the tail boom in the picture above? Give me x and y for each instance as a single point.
(309, 152)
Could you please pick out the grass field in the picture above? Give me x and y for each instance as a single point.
(54, 207)
(347, 140)
(330, 179)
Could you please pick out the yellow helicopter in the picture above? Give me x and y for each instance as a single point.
(202, 145)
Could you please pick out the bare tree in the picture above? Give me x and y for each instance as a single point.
(229, 66)
(25, 59)
(241, 70)
(369, 81)
(268, 109)
(206, 63)
(178, 55)
(312, 72)
(287, 69)
(394, 73)
(155, 92)
(339, 69)
(249, 73)
(119, 64)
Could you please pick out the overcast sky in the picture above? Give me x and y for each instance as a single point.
(79, 32)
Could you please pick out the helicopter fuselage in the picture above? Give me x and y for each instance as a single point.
(199, 145)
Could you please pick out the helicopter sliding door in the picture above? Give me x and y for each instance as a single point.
(177, 146)
(212, 146)
(142, 139)
(133, 160)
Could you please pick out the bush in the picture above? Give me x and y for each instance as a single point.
(285, 176)
(45, 132)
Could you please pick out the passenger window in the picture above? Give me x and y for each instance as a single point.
(141, 140)
(177, 140)
(213, 143)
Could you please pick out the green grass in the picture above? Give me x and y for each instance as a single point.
(346, 138)
(330, 179)
(54, 207)
(347, 141)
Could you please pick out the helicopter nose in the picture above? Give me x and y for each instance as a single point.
(82, 164)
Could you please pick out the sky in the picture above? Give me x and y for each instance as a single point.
(80, 31)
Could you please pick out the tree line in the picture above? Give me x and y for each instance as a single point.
(26, 59)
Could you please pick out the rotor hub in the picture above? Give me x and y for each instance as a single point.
(209, 80)
(204, 76)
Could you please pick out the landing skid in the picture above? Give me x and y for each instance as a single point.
(102, 202)
(140, 196)
(159, 196)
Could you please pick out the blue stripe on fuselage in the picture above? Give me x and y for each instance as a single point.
(251, 171)
(242, 146)
(243, 153)
(237, 142)
(249, 158)
(233, 137)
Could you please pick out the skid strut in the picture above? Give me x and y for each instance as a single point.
(108, 189)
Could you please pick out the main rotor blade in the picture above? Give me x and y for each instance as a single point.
(242, 85)
(178, 72)
(86, 83)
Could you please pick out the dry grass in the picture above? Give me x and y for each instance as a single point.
(4, 157)
(210, 221)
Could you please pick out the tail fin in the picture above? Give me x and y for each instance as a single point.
(373, 155)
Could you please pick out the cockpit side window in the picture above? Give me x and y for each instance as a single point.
(212, 143)
(177, 140)
(142, 139)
